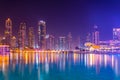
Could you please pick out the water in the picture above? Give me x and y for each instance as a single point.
(59, 66)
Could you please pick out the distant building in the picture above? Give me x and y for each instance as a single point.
(51, 42)
(8, 27)
(95, 35)
(69, 41)
(4, 49)
(1, 39)
(13, 42)
(56, 44)
(116, 34)
(8, 31)
(62, 43)
(42, 35)
(22, 36)
(31, 38)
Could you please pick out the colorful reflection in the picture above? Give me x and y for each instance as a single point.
(39, 64)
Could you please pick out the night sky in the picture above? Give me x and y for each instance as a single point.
(63, 16)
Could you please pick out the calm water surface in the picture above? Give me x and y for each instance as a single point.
(59, 66)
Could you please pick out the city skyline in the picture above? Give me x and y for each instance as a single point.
(59, 39)
(29, 38)
(77, 17)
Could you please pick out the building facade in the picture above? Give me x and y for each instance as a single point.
(51, 42)
(13, 42)
(62, 43)
(95, 35)
(42, 35)
(31, 38)
(22, 36)
(8, 31)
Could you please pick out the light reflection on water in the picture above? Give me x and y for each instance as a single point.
(46, 66)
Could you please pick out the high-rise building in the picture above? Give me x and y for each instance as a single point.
(116, 34)
(95, 35)
(51, 42)
(8, 27)
(22, 36)
(62, 43)
(13, 42)
(42, 35)
(69, 41)
(31, 37)
(8, 31)
(56, 44)
(1, 39)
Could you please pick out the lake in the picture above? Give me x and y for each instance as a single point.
(60, 66)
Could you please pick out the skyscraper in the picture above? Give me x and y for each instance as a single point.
(42, 35)
(31, 37)
(22, 36)
(13, 42)
(8, 27)
(116, 34)
(62, 43)
(51, 42)
(8, 31)
(95, 35)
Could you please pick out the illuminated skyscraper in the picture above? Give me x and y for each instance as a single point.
(22, 36)
(8, 27)
(13, 42)
(116, 34)
(62, 43)
(95, 35)
(51, 42)
(42, 35)
(69, 41)
(8, 31)
(31, 37)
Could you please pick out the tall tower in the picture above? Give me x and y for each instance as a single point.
(69, 41)
(42, 35)
(22, 36)
(62, 43)
(31, 37)
(8, 26)
(95, 35)
(13, 42)
(8, 31)
(51, 42)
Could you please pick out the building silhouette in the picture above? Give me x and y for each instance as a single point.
(62, 43)
(42, 35)
(95, 35)
(31, 37)
(8, 31)
(51, 42)
(22, 36)
(13, 42)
